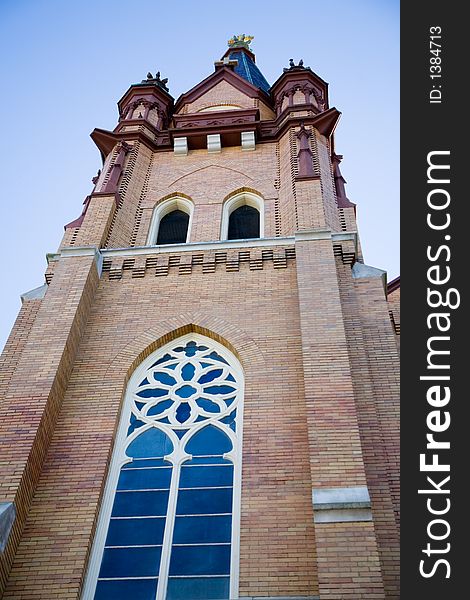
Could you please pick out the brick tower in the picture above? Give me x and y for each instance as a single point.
(201, 402)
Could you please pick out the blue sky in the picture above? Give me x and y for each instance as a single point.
(66, 64)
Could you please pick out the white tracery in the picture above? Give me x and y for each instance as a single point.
(158, 398)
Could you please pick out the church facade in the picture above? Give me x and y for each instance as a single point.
(202, 401)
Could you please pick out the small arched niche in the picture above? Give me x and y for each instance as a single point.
(171, 222)
(243, 217)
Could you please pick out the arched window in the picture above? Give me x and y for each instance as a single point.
(243, 223)
(173, 228)
(169, 525)
(243, 217)
(171, 222)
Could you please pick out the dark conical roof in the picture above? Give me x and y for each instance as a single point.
(247, 69)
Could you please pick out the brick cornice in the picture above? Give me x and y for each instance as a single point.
(267, 131)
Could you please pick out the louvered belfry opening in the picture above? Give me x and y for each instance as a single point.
(173, 228)
(243, 223)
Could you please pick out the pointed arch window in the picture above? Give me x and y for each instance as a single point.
(173, 228)
(243, 223)
(243, 217)
(169, 525)
(171, 222)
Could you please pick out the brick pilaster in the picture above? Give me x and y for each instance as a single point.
(348, 560)
(36, 388)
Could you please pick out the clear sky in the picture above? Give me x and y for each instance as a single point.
(64, 65)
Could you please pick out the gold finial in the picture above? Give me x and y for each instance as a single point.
(240, 41)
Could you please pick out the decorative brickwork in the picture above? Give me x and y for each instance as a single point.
(309, 323)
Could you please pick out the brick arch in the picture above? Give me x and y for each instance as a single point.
(171, 195)
(165, 205)
(235, 339)
(261, 187)
(240, 190)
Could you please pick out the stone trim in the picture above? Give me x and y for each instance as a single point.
(214, 143)
(248, 140)
(35, 294)
(325, 234)
(337, 505)
(7, 518)
(362, 271)
(72, 251)
(180, 147)
(202, 246)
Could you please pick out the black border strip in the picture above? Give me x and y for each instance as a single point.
(433, 120)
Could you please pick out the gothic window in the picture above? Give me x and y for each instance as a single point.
(173, 228)
(169, 524)
(243, 223)
(243, 217)
(171, 222)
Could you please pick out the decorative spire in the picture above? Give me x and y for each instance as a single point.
(240, 41)
(242, 60)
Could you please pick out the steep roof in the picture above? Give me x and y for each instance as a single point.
(247, 68)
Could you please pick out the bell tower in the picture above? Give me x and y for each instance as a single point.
(201, 401)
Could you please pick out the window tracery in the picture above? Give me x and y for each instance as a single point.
(169, 525)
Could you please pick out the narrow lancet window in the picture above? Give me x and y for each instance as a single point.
(244, 223)
(173, 228)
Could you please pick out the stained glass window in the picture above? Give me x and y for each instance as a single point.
(169, 525)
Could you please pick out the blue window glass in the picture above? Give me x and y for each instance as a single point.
(152, 442)
(183, 412)
(161, 360)
(185, 391)
(219, 389)
(135, 532)
(151, 393)
(130, 562)
(208, 405)
(159, 408)
(141, 479)
(209, 440)
(203, 530)
(203, 501)
(141, 589)
(164, 378)
(216, 356)
(200, 588)
(182, 401)
(129, 504)
(203, 476)
(200, 560)
(188, 371)
(210, 376)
